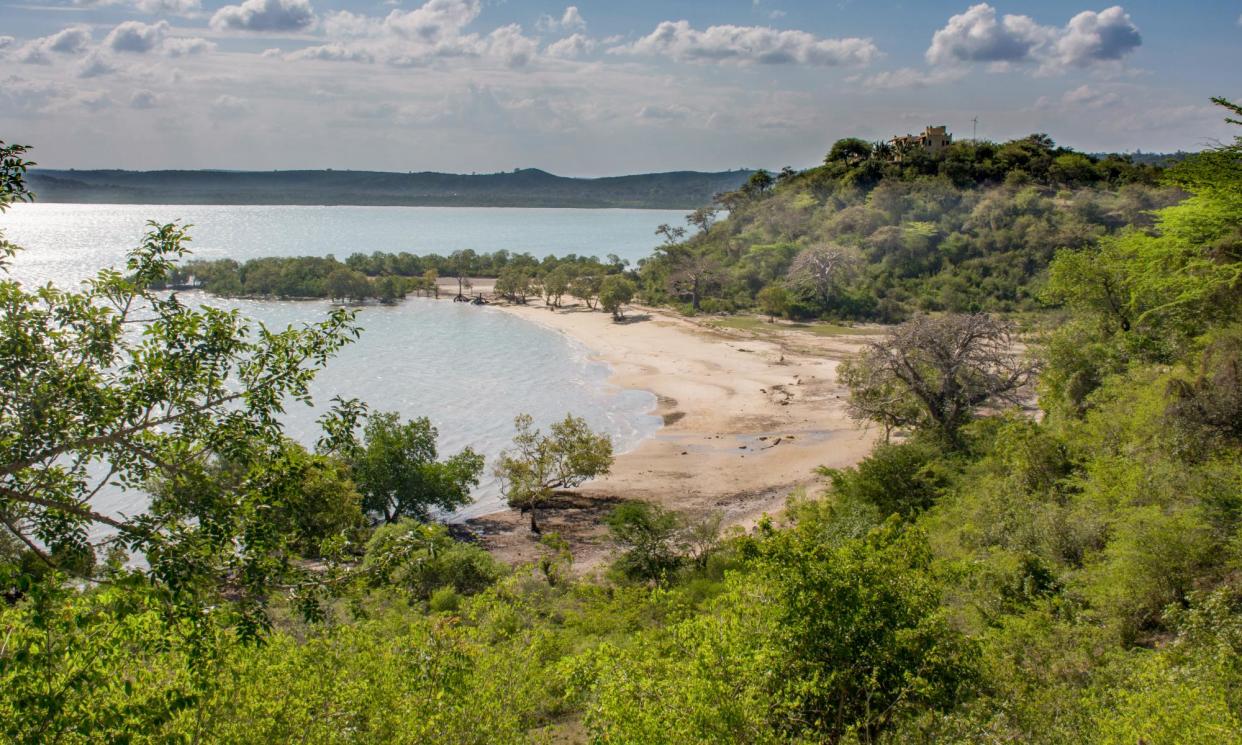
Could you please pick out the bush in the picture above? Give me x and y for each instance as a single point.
(903, 478)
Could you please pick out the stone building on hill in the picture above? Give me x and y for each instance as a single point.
(933, 141)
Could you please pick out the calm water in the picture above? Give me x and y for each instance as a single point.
(470, 370)
(69, 241)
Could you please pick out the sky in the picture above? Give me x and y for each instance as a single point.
(596, 88)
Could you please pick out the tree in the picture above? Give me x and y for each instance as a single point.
(555, 285)
(649, 533)
(397, 472)
(851, 151)
(672, 235)
(586, 288)
(949, 365)
(774, 301)
(537, 464)
(691, 273)
(819, 269)
(703, 217)
(389, 289)
(614, 293)
(86, 403)
(346, 284)
(759, 183)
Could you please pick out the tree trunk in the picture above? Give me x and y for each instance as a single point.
(534, 526)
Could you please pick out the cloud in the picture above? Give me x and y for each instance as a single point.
(420, 37)
(67, 41)
(976, 36)
(178, 7)
(571, 47)
(265, 16)
(226, 106)
(186, 46)
(509, 44)
(18, 95)
(1089, 38)
(7, 41)
(748, 45)
(434, 21)
(662, 113)
(1097, 37)
(908, 77)
(1087, 97)
(143, 99)
(329, 53)
(571, 20)
(136, 37)
(95, 65)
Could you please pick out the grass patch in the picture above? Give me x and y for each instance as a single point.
(758, 324)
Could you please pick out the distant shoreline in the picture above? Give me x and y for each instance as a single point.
(528, 188)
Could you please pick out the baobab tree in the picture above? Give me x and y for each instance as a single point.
(934, 372)
(819, 269)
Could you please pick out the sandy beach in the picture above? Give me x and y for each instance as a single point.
(747, 419)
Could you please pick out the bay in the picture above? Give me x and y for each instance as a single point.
(469, 369)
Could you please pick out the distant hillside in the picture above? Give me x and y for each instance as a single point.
(521, 188)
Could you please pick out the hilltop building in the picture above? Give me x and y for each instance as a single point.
(933, 141)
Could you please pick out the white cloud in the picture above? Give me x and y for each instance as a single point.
(749, 44)
(136, 37)
(509, 44)
(95, 65)
(176, 7)
(18, 95)
(434, 22)
(909, 77)
(976, 36)
(570, 21)
(143, 99)
(226, 106)
(186, 46)
(7, 41)
(1088, 38)
(1094, 37)
(1087, 97)
(571, 47)
(329, 53)
(67, 41)
(265, 16)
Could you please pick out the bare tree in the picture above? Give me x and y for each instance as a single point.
(692, 275)
(818, 269)
(935, 372)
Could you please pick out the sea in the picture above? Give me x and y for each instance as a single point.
(469, 369)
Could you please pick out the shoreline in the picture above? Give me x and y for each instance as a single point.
(746, 421)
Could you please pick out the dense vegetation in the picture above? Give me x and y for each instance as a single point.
(876, 234)
(987, 577)
(389, 277)
(527, 187)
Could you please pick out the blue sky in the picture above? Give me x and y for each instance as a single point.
(594, 88)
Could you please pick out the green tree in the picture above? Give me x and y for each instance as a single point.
(614, 292)
(556, 284)
(773, 301)
(649, 534)
(346, 284)
(397, 471)
(87, 404)
(586, 288)
(537, 464)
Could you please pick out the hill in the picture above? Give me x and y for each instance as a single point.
(529, 187)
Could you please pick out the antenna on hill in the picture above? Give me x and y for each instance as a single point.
(974, 129)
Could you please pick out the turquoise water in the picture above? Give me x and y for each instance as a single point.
(469, 369)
